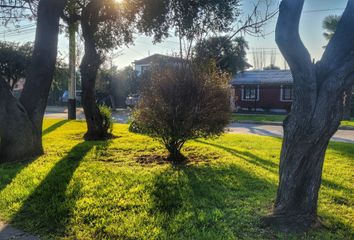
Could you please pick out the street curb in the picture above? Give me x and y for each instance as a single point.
(281, 124)
(259, 123)
(9, 232)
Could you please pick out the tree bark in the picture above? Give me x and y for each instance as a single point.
(305, 142)
(348, 96)
(316, 114)
(89, 68)
(16, 129)
(21, 121)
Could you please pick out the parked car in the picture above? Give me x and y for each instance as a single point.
(65, 97)
(132, 100)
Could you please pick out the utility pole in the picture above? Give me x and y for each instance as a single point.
(72, 71)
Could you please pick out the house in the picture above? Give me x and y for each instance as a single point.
(263, 90)
(142, 65)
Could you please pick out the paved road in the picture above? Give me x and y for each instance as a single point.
(257, 129)
(277, 131)
(9, 233)
(120, 116)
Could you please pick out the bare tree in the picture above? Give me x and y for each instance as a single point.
(315, 117)
(12, 11)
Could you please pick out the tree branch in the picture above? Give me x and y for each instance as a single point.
(13, 6)
(288, 38)
(341, 48)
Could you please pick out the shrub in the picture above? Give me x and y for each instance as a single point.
(182, 102)
(107, 122)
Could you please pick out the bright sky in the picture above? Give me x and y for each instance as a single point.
(310, 29)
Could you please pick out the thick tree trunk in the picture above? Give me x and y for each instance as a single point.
(16, 129)
(89, 68)
(348, 104)
(21, 121)
(316, 114)
(305, 142)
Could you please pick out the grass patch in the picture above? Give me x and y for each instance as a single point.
(258, 118)
(274, 118)
(98, 190)
(348, 123)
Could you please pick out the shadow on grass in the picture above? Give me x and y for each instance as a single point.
(203, 202)
(268, 165)
(346, 149)
(54, 127)
(247, 156)
(48, 208)
(8, 171)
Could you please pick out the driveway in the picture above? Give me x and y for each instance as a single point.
(277, 131)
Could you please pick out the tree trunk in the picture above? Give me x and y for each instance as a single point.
(89, 68)
(21, 121)
(16, 129)
(348, 104)
(305, 142)
(316, 114)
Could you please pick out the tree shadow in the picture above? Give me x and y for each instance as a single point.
(263, 132)
(266, 164)
(8, 171)
(247, 156)
(49, 206)
(335, 186)
(198, 201)
(346, 149)
(54, 127)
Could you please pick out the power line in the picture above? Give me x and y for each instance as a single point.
(323, 10)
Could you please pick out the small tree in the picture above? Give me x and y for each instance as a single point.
(181, 102)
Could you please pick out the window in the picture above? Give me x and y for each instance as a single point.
(286, 93)
(145, 68)
(250, 93)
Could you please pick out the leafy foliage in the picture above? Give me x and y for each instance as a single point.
(181, 102)
(229, 55)
(107, 123)
(14, 61)
(118, 83)
(187, 18)
(330, 25)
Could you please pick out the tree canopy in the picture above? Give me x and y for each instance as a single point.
(228, 55)
(158, 18)
(330, 24)
(14, 61)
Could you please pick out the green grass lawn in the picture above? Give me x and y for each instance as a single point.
(258, 118)
(274, 118)
(98, 190)
(348, 123)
